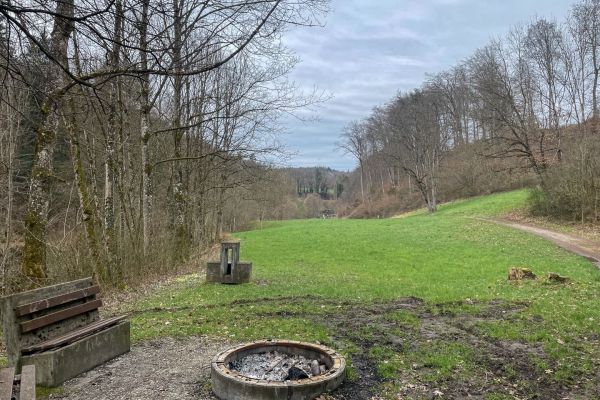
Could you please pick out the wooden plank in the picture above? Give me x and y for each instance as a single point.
(27, 383)
(73, 336)
(56, 301)
(88, 330)
(59, 315)
(6, 383)
(85, 331)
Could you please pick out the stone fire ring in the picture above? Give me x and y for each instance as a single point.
(229, 385)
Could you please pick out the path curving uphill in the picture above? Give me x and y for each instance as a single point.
(576, 244)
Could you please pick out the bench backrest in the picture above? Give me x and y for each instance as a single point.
(41, 314)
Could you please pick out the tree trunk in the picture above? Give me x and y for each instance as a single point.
(110, 165)
(595, 110)
(144, 130)
(9, 152)
(36, 220)
(179, 195)
(89, 220)
(362, 187)
(109, 191)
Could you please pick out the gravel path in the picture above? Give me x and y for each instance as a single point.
(579, 245)
(166, 369)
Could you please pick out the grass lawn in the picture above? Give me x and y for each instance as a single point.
(418, 305)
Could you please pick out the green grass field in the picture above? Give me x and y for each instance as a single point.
(423, 300)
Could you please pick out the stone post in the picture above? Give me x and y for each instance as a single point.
(235, 256)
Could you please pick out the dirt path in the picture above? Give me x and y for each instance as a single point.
(579, 245)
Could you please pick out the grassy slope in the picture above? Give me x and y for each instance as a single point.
(441, 258)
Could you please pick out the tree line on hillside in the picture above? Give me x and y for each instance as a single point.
(525, 105)
(133, 132)
(324, 181)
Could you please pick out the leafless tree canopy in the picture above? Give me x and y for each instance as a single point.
(525, 103)
(156, 116)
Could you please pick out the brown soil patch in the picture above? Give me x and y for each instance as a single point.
(504, 367)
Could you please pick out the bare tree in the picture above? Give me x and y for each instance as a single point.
(456, 96)
(543, 46)
(503, 79)
(157, 48)
(36, 220)
(11, 131)
(418, 140)
(585, 25)
(353, 141)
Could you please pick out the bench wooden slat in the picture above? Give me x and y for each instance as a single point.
(73, 335)
(59, 315)
(7, 375)
(56, 301)
(27, 383)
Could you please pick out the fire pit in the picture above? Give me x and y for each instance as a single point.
(283, 369)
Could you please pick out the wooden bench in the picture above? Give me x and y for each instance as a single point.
(26, 381)
(59, 330)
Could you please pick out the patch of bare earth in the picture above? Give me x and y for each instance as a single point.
(504, 367)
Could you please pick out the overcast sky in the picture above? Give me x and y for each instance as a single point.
(370, 49)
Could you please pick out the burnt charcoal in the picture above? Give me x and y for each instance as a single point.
(296, 373)
(234, 365)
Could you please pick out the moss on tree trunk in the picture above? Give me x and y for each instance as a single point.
(36, 219)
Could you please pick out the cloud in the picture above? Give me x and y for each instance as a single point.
(369, 50)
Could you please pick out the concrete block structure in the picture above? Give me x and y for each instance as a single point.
(229, 269)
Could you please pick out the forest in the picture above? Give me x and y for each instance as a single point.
(521, 111)
(134, 134)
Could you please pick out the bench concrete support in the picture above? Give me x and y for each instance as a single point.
(57, 366)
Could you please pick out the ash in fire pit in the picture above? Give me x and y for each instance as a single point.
(276, 370)
(276, 366)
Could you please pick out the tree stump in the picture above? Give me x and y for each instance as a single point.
(552, 277)
(518, 274)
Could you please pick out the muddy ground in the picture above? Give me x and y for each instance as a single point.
(506, 368)
(180, 369)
